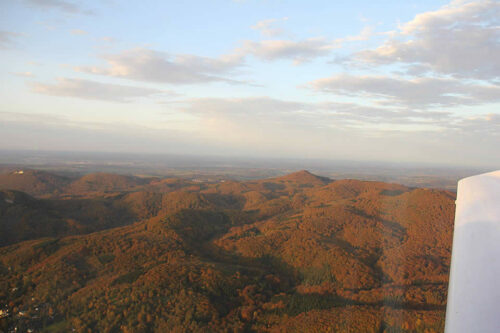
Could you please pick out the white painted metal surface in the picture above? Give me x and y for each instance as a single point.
(474, 289)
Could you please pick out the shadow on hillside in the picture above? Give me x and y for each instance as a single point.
(298, 303)
(213, 224)
(397, 229)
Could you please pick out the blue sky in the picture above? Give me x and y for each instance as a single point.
(395, 81)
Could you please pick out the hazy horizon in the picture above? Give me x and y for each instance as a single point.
(210, 168)
(411, 82)
(16, 156)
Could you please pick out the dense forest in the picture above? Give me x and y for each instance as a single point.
(111, 253)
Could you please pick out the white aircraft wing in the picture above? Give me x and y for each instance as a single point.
(474, 289)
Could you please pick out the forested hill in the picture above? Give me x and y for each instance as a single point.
(289, 254)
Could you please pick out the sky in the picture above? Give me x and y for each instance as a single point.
(391, 81)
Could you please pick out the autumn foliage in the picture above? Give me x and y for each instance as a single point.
(291, 254)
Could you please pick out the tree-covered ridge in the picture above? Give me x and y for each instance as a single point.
(294, 253)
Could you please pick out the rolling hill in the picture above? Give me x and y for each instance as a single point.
(288, 254)
(33, 182)
(49, 185)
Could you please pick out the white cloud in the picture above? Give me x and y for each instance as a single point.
(154, 66)
(87, 89)
(266, 111)
(108, 39)
(416, 92)
(53, 132)
(487, 125)
(366, 33)
(7, 39)
(65, 6)
(460, 39)
(299, 51)
(78, 32)
(263, 125)
(249, 107)
(24, 74)
(268, 27)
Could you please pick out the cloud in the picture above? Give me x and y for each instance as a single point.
(248, 107)
(264, 125)
(486, 124)
(148, 65)
(65, 6)
(365, 34)
(459, 39)
(357, 115)
(108, 39)
(7, 39)
(299, 51)
(268, 27)
(154, 66)
(416, 92)
(87, 89)
(78, 32)
(24, 74)
(266, 111)
(271, 127)
(53, 132)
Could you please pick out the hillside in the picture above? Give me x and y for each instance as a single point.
(288, 254)
(49, 185)
(303, 177)
(33, 182)
(23, 217)
(105, 182)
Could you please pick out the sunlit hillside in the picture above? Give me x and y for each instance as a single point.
(293, 253)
